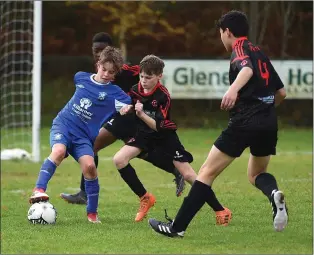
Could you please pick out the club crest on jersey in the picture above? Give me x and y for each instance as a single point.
(154, 103)
(85, 103)
(102, 95)
(244, 62)
(57, 136)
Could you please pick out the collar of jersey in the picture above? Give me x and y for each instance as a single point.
(97, 83)
(237, 40)
(149, 93)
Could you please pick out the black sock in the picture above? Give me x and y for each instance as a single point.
(213, 202)
(161, 161)
(196, 198)
(266, 183)
(82, 183)
(83, 179)
(96, 160)
(129, 175)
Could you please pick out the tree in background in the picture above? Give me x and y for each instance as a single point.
(175, 29)
(133, 19)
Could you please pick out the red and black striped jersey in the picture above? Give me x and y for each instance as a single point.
(258, 95)
(156, 104)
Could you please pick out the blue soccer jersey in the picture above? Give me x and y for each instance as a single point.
(77, 124)
(91, 105)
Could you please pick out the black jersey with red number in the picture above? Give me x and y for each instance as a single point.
(156, 104)
(127, 77)
(254, 108)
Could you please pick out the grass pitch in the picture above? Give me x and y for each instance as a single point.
(250, 230)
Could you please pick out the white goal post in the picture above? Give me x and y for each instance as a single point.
(20, 72)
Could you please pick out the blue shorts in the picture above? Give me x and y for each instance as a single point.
(76, 145)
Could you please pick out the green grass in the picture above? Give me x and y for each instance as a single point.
(250, 231)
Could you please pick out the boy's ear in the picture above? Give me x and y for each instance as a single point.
(159, 76)
(228, 32)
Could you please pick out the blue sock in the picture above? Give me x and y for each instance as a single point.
(47, 170)
(92, 192)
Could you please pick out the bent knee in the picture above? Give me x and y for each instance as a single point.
(189, 176)
(252, 177)
(89, 170)
(120, 161)
(58, 154)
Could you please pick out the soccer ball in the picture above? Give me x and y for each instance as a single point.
(42, 213)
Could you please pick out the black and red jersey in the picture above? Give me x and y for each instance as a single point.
(156, 104)
(257, 97)
(127, 77)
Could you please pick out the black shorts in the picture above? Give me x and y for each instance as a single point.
(169, 145)
(122, 127)
(234, 141)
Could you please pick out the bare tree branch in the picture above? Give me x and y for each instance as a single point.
(265, 16)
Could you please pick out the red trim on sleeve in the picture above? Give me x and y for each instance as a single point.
(134, 69)
(167, 106)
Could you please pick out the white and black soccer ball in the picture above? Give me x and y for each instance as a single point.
(42, 213)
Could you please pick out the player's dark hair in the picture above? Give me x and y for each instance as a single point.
(102, 37)
(236, 22)
(152, 65)
(112, 55)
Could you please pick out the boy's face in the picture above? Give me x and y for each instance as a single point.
(97, 48)
(225, 38)
(149, 81)
(106, 72)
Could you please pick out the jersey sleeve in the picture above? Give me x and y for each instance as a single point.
(240, 57)
(133, 70)
(163, 122)
(275, 78)
(121, 99)
(78, 76)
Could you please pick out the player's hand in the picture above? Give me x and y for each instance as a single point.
(229, 99)
(139, 108)
(125, 109)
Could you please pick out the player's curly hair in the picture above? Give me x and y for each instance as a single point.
(152, 65)
(235, 21)
(112, 55)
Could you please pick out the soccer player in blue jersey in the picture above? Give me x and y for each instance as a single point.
(76, 126)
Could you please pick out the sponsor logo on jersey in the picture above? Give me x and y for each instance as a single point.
(81, 110)
(85, 103)
(150, 113)
(268, 99)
